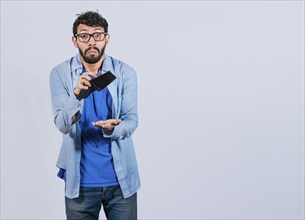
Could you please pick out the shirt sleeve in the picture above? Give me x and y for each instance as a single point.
(64, 106)
(128, 112)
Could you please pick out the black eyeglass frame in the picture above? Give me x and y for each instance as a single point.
(91, 35)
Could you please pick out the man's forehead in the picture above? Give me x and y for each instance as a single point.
(83, 27)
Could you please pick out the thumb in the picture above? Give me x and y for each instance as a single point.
(115, 121)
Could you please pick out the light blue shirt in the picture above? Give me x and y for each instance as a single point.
(123, 89)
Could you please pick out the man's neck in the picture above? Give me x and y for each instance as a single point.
(95, 67)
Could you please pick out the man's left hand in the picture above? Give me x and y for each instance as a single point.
(107, 124)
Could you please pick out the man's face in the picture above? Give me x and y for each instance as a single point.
(91, 51)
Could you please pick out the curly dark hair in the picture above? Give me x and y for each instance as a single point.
(91, 19)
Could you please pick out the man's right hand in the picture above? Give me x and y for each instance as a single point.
(83, 82)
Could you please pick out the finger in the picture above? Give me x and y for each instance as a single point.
(95, 125)
(83, 87)
(86, 77)
(85, 82)
(116, 122)
(107, 126)
(99, 123)
(111, 122)
(103, 125)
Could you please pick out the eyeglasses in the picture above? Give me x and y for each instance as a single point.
(85, 37)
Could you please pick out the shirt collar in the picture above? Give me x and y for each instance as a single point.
(76, 63)
(107, 64)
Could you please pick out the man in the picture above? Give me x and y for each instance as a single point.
(97, 158)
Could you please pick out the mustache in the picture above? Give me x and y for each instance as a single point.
(95, 48)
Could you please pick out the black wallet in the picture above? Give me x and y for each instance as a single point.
(98, 84)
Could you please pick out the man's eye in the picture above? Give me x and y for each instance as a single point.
(97, 34)
(83, 35)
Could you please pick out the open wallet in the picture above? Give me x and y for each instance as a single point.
(98, 84)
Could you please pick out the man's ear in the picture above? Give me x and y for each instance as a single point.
(107, 39)
(74, 41)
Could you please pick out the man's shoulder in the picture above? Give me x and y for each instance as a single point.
(122, 66)
(62, 67)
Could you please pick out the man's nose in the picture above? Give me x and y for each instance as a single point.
(92, 42)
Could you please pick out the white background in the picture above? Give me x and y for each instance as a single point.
(221, 105)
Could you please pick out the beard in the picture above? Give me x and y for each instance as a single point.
(92, 59)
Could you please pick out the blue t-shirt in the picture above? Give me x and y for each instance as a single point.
(96, 166)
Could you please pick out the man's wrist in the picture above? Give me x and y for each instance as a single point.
(108, 132)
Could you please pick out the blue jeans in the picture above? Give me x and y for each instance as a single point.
(88, 205)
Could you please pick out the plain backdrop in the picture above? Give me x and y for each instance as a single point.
(221, 105)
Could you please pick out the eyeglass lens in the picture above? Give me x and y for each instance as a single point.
(85, 37)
